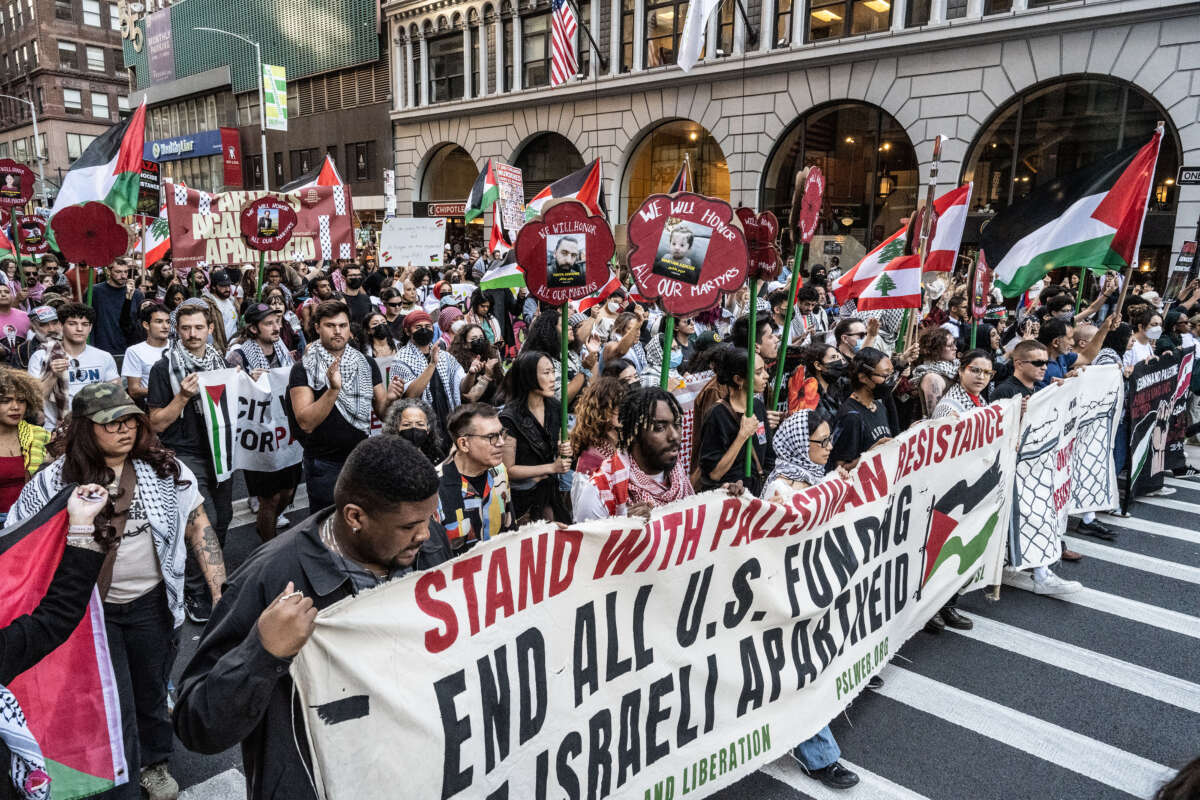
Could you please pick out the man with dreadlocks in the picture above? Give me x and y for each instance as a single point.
(645, 472)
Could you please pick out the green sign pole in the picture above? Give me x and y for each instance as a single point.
(787, 324)
(566, 331)
(665, 374)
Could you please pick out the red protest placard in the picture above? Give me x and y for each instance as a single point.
(16, 183)
(686, 250)
(806, 209)
(91, 234)
(565, 252)
(762, 237)
(267, 223)
(33, 236)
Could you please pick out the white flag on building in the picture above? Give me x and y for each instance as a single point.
(691, 41)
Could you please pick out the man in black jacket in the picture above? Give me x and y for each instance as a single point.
(237, 687)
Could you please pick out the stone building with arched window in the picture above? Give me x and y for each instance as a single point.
(1024, 90)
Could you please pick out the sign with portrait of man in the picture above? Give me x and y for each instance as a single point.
(566, 261)
(564, 252)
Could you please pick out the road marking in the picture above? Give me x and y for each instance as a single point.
(1097, 666)
(242, 515)
(1061, 746)
(228, 785)
(870, 786)
(1128, 558)
(1157, 528)
(1183, 483)
(1166, 502)
(1165, 618)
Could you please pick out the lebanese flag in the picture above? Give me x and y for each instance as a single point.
(70, 696)
(611, 285)
(484, 194)
(110, 170)
(897, 286)
(585, 185)
(951, 209)
(324, 175)
(156, 238)
(1090, 218)
(850, 284)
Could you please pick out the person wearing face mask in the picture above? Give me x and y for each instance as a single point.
(851, 335)
(481, 360)
(820, 381)
(413, 421)
(1175, 325)
(375, 340)
(868, 417)
(430, 374)
(355, 296)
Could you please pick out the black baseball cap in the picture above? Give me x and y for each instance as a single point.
(219, 277)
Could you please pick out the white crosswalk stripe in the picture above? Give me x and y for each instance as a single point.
(1115, 555)
(228, 785)
(1172, 503)
(1112, 766)
(1137, 611)
(1149, 526)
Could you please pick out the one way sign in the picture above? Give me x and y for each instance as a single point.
(1189, 176)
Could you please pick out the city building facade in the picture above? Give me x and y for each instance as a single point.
(64, 56)
(1025, 91)
(201, 87)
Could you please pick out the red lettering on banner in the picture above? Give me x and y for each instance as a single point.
(692, 527)
(429, 582)
(729, 514)
(564, 562)
(620, 551)
(499, 588)
(531, 587)
(655, 534)
(872, 478)
(464, 571)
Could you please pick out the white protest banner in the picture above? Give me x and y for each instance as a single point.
(412, 242)
(1093, 467)
(256, 435)
(628, 659)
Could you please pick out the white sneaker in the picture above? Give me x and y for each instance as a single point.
(1018, 579)
(1055, 586)
(282, 522)
(1165, 491)
(252, 503)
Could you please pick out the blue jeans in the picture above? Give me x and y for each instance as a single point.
(319, 478)
(818, 752)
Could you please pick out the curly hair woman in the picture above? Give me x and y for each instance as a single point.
(481, 361)
(597, 426)
(22, 442)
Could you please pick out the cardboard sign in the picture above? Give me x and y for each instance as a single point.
(762, 238)
(16, 183)
(811, 185)
(148, 189)
(686, 250)
(565, 252)
(33, 235)
(412, 242)
(512, 197)
(267, 223)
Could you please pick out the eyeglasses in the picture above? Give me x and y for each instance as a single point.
(982, 372)
(494, 439)
(397, 304)
(118, 425)
(826, 443)
(1039, 362)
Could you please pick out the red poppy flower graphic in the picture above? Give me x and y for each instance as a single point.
(565, 252)
(90, 234)
(762, 236)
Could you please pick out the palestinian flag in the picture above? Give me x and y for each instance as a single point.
(221, 428)
(7, 250)
(585, 185)
(324, 175)
(70, 696)
(484, 194)
(683, 179)
(943, 539)
(110, 170)
(851, 283)
(506, 276)
(898, 286)
(1090, 218)
(500, 238)
(156, 239)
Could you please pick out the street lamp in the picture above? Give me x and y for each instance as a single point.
(262, 107)
(37, 142)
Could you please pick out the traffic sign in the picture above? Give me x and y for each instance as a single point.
(1188, 176)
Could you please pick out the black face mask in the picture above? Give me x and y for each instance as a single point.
(884, 388)
(416, 436)
(380, 332)
(354, 283)
(835, 370)
(422, 337)
(479, 346)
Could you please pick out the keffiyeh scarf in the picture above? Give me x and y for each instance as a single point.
(955, 400)
(947, 369)
(354, 400)
(256, 359)
(58, 392)
(791, 443)
(645, 489)
(28, 767)
(181, 363)
(414, 363)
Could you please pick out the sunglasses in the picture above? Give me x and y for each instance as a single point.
(1039, 363)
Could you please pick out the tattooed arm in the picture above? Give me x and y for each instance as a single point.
(203, 542)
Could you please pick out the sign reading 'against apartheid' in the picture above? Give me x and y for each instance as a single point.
(246, 424)
(629, 659)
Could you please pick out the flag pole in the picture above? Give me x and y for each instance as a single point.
(787, 323)
(262, 268)
(587, 30)
(1079, 293)
(751, 343)
(16, 232)
(926, 224)
(668, 344)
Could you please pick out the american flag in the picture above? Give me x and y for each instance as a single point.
(563, 64)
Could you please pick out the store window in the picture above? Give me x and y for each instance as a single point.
(68, 55)
(100, 105)
(535, 51)
(448, 176)
(91, 13)
(627, 35)
(664, 23)
(659, 155)
(446, 68)
(545, 159)
(95, 59)
(73, 101)
(870, 170)
(831, 19)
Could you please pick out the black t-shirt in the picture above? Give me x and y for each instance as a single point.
(186, 434)
(719, 431)
(856, 428)
(1011, 387)
(334, 438)
(360, 306)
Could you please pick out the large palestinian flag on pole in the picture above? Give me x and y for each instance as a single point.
(70, 696)
(110, 170)
(585, 185)
(325, 174)
(1090, 218)
(484, 193)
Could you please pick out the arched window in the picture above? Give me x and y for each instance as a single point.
(870, 172)
(448, 176)
(546, 158)
(658, 157)
(1053, 129)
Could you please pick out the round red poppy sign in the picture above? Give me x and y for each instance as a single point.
(565, 253)
(33, 236)
(762, 237)
(16, 183)
(806, 202)
(267, 223)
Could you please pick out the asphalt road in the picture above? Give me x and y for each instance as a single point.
(1090, 698)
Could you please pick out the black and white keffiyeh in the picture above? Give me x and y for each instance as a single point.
(355, 398)
(181, 363)
(956, 400)
(411, 362)
(255, 358)
(791, 443)
(947, 369)
(28, 766)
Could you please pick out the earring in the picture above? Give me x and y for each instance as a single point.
(355, 531)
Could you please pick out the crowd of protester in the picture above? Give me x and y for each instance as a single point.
(100, 387)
